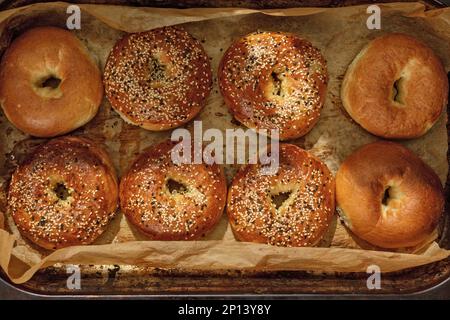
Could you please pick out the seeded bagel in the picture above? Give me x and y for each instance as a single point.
(158, 79)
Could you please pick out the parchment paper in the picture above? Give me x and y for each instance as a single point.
(339, 33)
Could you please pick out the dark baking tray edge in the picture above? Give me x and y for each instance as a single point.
(440, 289)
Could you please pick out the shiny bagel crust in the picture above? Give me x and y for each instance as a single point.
(76, 215)
(158, 79)
(164, 214)
(39, 110)
(396, 87)
(302, 219)
(274, 80)
(388, 196)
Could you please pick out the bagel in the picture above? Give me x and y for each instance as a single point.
(292, 208)
(158, 79)
(64, 194)
(166, 201)
(388, 196)
(274, 80)
(395, 88)
(49, 84)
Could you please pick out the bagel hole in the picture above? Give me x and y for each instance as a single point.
(51, 82)
(279, 199)
(386, 196)
(157, 70)
(61, 191)
(276, 81)
(396, 91)
(175, 186)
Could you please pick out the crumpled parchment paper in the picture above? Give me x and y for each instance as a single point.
(339, 33)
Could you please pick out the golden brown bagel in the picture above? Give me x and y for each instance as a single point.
(63, 194)
(303, 214)
(388, 196)
(29, 93)
(158, 79)
(396, 87)
(274, 80)
(172, 202)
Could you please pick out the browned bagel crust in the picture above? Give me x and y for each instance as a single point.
(301, 220)
(386, 108)
(274, 80)
(36, 55)
(158, 79)
(160, 214)
(91, 199)
(411, 212)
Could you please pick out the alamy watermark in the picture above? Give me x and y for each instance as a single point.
(74, 20)
(74, 279)
(232, 146)
(374, 280)
(374, 20)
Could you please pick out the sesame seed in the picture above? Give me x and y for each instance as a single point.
(184, 213)
(273, 80)
(61, 192)
(162, 76)
(302, 219)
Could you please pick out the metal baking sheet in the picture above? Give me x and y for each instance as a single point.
(141, 281)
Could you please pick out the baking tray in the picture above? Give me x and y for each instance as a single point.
(103, 281)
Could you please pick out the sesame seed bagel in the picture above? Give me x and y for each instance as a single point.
(274, 80)
(291, 208)
(63, 194)
(396, 87)
(49, 83)
(158, 79)
(166, 201)
(388, 196)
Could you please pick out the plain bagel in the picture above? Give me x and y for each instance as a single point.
(49, 83)
(396, 87)
(388, 196)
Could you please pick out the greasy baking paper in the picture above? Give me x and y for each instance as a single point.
(339, 33)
